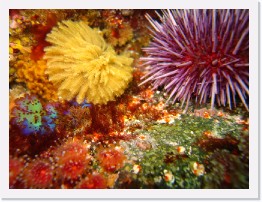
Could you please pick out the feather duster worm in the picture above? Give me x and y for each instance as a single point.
(82, 65)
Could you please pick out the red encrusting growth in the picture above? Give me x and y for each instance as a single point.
(106, 118)
(15, 167)
(14, 13)
(39, 31)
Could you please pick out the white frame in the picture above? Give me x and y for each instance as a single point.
(251, 193)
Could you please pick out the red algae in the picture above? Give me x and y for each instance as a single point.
(15, 167)
(13, 12)
(40, 31)
(31, 145)
(106, 118)
(209, 143)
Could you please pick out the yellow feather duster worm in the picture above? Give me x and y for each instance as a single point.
(82, 65)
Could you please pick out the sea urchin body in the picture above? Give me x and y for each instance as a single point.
(82, 65)
(201, 54)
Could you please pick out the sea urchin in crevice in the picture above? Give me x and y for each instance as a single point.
(200, 54)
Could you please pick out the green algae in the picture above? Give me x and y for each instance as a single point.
(188, 132)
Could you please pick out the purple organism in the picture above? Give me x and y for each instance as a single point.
(200, 54)
(32, 117)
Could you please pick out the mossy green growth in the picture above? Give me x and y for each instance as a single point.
(177, 158)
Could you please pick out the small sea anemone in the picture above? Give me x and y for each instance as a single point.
(111, 159)
(38, 174)
(72, 159)
(82, 65)
(201, 54)
(93, 181)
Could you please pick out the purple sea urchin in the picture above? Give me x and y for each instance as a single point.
(201, 54)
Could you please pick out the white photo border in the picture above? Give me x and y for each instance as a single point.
(254, 175)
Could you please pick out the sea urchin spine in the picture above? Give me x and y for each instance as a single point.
(201, 54)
